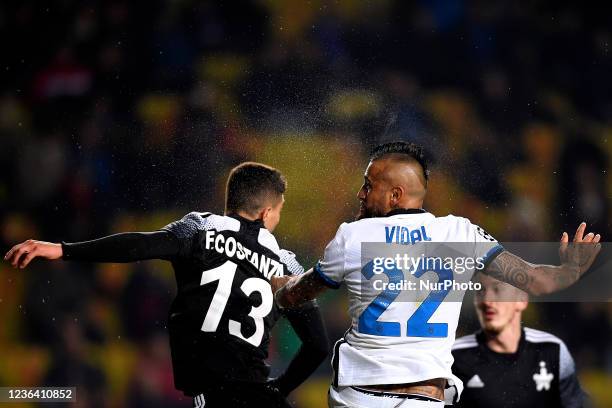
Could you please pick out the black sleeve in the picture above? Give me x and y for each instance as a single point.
(125, 247)
(570, 392)
(308, 324)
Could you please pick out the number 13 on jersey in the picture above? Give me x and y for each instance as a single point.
(225, 275)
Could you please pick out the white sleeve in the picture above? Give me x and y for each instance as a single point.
(486, 247)
(291, 262)
(188, 226)
(567, 366)
(331, 267)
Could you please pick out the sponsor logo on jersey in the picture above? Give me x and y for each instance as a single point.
(402, 235)
(475, 382)
(543, 378)
(231, 248)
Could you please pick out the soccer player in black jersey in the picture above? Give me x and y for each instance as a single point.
(225, 267)
(506, 365)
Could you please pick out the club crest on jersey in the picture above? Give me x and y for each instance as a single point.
(233, 249)
(543, 378)
(402, 235)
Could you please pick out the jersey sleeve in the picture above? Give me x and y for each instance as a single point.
(186, 229)
(570, 392)
(486, 248)
(124, 247)
(331, 268)
(291, 262)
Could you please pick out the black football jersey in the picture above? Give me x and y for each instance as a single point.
(540, 374)
(220, 320)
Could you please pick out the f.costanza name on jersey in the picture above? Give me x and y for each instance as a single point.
(233, 249)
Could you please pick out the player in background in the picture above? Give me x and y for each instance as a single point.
(506, 365)
(399, 353)
(225, 267)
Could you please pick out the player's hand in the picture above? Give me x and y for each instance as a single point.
(22, 254)
(278, 282)
(582, 251)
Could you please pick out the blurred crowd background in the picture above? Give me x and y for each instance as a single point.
(118, 116)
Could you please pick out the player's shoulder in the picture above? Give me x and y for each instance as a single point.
(451, 219)
(345, 229)
(209, 220)
(361, 225)
(359, 228)
(539, 336)
(195, 221)
(465, 342)
(548, 340)
(267, 239)
(462, 227)
(196, 217)
(357, 231)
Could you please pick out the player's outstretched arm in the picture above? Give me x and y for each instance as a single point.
(300, 289)
(576, 258)
(124, 247)
(307, 323)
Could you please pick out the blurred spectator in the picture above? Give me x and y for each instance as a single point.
(153, 384)
(70, 367)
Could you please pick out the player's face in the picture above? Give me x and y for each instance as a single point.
(374, 193)
(272, 214)
(498, 305)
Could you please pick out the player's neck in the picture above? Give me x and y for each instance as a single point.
(246, 215)
(506, 341)
(408, 205)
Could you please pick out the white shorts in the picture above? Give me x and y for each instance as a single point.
(356, 397)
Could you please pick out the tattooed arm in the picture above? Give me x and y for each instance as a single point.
(576, 258)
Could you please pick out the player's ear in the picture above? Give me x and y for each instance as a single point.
(396, 195)
(264, 213)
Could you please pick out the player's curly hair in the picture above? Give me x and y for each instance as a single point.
(251, 185)
(401, 150)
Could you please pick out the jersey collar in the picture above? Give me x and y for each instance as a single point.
(481, 339)
(247, 221)
(398, 211)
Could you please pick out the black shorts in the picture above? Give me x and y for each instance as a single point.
(239, 395)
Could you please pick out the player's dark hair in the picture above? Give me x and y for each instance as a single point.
(251, 185)
(411, 151)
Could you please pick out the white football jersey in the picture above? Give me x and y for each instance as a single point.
(397, 342)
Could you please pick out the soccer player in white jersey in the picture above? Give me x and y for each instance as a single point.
(404, 366)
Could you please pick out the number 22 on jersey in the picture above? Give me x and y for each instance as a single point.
(418, 324)
(225, 275)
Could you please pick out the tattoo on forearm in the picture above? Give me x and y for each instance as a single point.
(511, 269)
(564, 280)
(543, 279)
